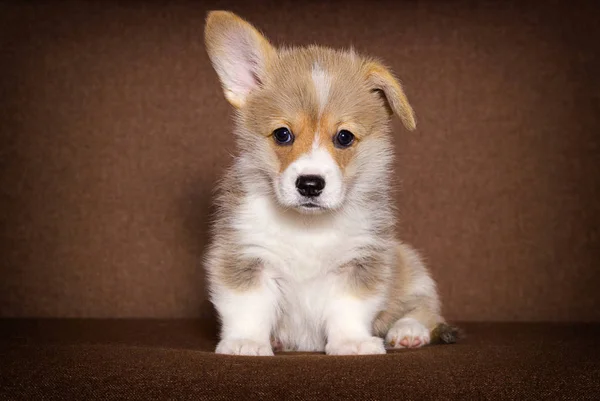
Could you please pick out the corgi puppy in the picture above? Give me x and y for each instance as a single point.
(304, 255)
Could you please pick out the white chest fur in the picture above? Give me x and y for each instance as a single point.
(302, 254)
(296, 246)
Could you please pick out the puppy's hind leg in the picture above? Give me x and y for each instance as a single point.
(412, 318)
(412, 330)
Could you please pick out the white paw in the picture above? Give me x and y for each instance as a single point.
(407, 333)
(243, 347)
(364, 346)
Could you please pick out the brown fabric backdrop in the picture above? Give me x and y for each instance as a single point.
(113, 130)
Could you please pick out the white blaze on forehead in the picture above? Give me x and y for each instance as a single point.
(315, 162)
(322, 82)
(317, 141)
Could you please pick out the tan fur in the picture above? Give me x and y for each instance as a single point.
(405, 303)
(365, 276)
(281, 93)
(382, 78)
(216, 40)
(305, 129)
(302, 127)
(351, 105)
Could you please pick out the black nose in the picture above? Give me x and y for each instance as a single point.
(310, 185)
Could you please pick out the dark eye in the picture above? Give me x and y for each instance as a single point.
(283, 136)
(343, 139)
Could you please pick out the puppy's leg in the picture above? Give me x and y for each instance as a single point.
(358, 296)
(410, 331)
(247, 312)
(413, 309)
(348, 327)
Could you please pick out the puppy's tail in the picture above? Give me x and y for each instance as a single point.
(444, 333)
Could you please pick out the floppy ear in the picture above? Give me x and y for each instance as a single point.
(381, 79)
(239, 54)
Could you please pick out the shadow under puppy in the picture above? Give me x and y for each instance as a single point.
(304, 254)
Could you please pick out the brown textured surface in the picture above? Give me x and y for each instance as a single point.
(113, 130)
(145, 360)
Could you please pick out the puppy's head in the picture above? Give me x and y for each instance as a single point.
(312, 122)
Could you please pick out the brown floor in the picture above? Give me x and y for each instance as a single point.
(148, 359)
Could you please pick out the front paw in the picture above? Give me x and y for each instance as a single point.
(244, 347)
(363, 346)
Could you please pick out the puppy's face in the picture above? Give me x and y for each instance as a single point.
(312, 122)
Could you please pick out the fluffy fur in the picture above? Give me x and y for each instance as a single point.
(325, 273)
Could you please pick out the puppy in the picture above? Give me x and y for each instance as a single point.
(304, 255)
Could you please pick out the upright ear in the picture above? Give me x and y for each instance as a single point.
(382, 80)
(239, 54)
